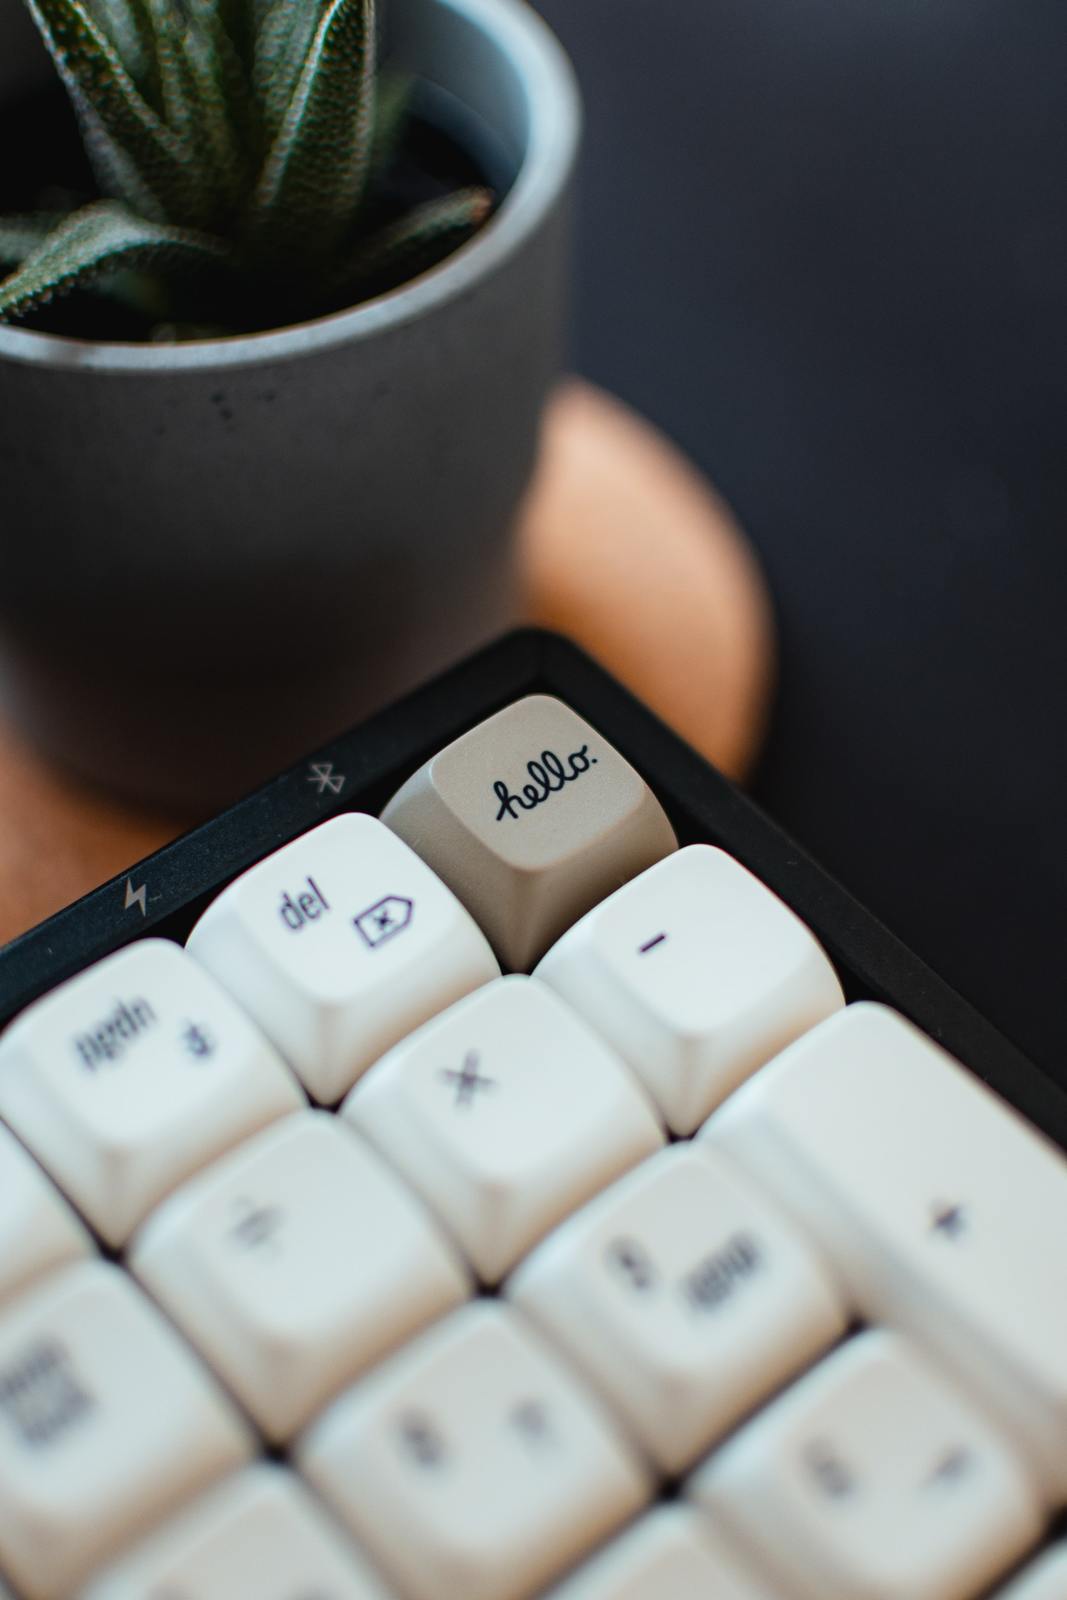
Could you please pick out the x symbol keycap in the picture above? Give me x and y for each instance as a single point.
(468, 1081)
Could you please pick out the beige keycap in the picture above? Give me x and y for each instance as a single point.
(473, 1465)
(697, 974)
(531, 819)
(107, 1423)
(267, 1263)
(128, 1078)
(684, 1297)
(505, 1113)
(873, 1478)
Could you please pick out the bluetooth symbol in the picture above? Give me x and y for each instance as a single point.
(323, 775)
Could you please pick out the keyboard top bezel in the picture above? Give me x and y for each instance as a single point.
(375, 757)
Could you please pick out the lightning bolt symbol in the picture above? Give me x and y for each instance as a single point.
(136, 897)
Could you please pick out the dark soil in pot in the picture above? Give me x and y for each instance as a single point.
(443, 149)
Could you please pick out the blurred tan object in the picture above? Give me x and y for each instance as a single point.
(59, 839)
(624, 548)
(628, 551)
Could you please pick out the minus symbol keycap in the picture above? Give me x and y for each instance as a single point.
(661, 938)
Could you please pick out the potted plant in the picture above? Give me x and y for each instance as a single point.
(259, 472)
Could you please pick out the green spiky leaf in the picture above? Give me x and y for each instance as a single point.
(281, 54)
(227, 78)
(21, 236)
(103, 238)
(206, 104)
(418, 241)
(178, 106)
(125, 23)
(316, 169)
(124, 135)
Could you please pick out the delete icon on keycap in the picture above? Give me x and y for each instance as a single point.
(384, 920)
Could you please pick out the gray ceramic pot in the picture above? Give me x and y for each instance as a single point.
(214, 555)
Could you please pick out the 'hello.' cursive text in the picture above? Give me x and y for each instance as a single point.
(548, 776)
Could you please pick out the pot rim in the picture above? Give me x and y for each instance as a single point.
(553, 112)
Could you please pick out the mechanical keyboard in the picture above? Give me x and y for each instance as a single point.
(493, 1161)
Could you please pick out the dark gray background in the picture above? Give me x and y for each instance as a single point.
(824, 243)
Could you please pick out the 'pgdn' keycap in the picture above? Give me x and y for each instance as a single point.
(531, 819)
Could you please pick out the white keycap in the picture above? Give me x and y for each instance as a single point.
(506, 1113)
(941, 1207)
(107, 1422)
(260, 1536)
(294, 1263)
(1045, 1579)
(340, 944)
(673, 1553)
(873, 1479)
(38, 1230)
(684, 1297)
(134, 1074)
(473, 1464)
(697, 974)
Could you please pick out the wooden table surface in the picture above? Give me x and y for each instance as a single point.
(624, 548)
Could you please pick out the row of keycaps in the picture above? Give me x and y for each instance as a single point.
(261, 1534)
(132, 1076)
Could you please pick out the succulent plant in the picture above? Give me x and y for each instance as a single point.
(239, 147)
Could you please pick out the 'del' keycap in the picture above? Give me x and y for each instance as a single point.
(531, 818)
(338, 945)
